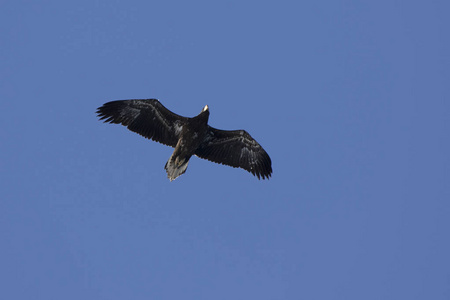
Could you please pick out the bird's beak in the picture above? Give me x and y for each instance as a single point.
(205, 108)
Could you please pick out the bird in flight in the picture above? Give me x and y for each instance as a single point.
(189, 136)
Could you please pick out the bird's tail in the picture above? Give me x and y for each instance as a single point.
(176, 166)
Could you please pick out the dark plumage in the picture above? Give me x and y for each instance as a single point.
(189, 136)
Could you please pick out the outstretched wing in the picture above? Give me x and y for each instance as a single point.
(237, 149)
(147, 117)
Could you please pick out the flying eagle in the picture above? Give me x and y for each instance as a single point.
(189, 136)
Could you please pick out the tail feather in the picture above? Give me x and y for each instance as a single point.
(175, 167)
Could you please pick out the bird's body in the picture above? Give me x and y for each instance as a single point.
(189, 136)
(192, 134)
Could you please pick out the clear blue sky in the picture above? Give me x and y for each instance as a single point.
(349, 98)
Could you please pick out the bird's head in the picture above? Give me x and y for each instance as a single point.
(204, 113)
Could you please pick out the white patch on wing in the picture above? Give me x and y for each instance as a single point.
(178, 127)
(134, 112)
(155, 109)
(160, 116)
(245, 151)
(248, 152)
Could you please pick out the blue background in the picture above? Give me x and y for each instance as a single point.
(349, 98)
